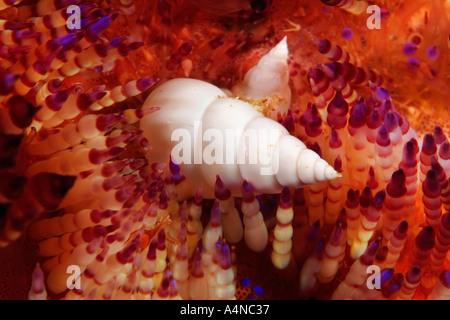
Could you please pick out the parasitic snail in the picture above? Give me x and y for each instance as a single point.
(245, 144)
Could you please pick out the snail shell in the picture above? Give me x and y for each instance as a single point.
(210, 134)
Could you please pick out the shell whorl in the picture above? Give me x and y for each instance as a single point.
(197, 110)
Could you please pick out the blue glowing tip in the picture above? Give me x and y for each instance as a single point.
(258, 291)
(246, 282)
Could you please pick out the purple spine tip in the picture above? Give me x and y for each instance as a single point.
(409, 155)
(372, 182)
(312, 122)
(316, 148)
(247, 192)
(436, 166)
(444, 277)
(161, 240)
(338, 164)
(429, 145)
(337, 111)
(402, 229)
(215, 216)
(347, 33)
(425, 239)
(433, 52)
(96, 29)
(374, 119)
(439, 135)
(288, 122)
(396, 187)
(352, 199)
(358, 115)
(413, 275)
(444, 150)
(414, 62)
(317, 75)
(335, 141)
(431, 186)
(313, 232)
(144, 84)
(445, 220)
(366, 197)
(379, 94)
(382, 254)
(379, 199)
(323, 45)
(333, 69)
(163, 200)
(151, 254)
(391, 121)
(7, 83)
(386, 276)
(383, 136)
(320, 249)
(285, 198)
(409, 49)
(368, 257)
(220, 190)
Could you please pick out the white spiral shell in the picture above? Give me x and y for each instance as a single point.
(198, 111)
